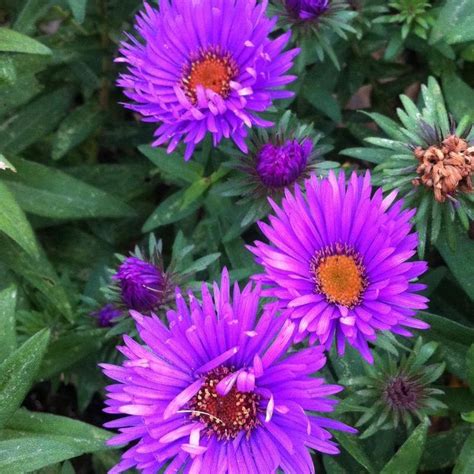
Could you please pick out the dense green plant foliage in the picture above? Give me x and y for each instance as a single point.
(80, 184)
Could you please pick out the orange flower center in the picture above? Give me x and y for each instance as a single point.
(339, 276)
(225, 416)
(211, 70)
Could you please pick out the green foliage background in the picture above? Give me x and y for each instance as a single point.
(79, 183)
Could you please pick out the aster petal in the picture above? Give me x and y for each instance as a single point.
(219, 360)
(182, 398)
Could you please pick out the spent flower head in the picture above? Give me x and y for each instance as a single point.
(430, 160)
(398, 391)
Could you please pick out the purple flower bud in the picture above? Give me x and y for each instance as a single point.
(306, 10)
(281, 165)
(142, 284)
(106, 315)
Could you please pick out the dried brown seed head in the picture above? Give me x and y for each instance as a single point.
(446, 169)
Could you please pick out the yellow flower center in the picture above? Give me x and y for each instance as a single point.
(339, 275)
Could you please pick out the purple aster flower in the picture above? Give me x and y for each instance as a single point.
(106, 315)
(205, 67)
(306, 10)
(338, 262)
(142, 284)
(281, 165)
(216, 391)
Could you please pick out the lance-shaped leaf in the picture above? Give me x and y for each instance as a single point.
(18, 372)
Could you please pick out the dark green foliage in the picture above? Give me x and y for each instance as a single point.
(79, 184)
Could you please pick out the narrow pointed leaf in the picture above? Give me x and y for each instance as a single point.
(49, 192)
(354, 447)
(13, 42)
(14, 223)
(8, 298)
(18, 372)
(465, 462)
(408, 457)
(38, 272)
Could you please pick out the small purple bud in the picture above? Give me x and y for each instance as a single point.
(142, 284)
(306, 10)
(281, 165)
(106, 315)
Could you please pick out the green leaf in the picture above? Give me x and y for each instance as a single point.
(21, 455)
(14, 42)
(24, 84)
(82, 435)
(458, 399)
(239, 256)
(7, 321)
(459, 96)
(18, 372)
(389, 144)
(67, 468)
(70, 349)
(170, 211)
(32, 441)
(373, 155)
(461, 260)
(465, 462)
(49, 192)
(78, 126)
(173, 167)
(470, 367)
(333, 466)
(389, 126)
(38, 272)
(442, 449)
(394, 47)
(351, 365)
(30, 13)
(34, 121)
(469, 417)
(454, 22)
(126, 181)
(14, 223)
(194, 192)
(5, 164)
(202, 263)
(455, 340)
(323, 101)
(78, 8)
(8, 70)
(354, 447)
(408, 457)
